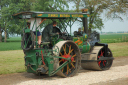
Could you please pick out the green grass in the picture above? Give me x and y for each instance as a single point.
(10, 46)
(13, 43)
(113, 38)
(11, 62)
(14, 39)
(119, 49)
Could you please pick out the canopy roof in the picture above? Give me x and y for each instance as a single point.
(28, 15)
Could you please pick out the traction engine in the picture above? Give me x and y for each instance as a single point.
(64, 54)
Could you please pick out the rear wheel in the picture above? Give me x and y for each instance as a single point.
(70, 50)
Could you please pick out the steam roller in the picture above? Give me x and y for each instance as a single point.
(60, 52)
(99, 58)
(67, 50)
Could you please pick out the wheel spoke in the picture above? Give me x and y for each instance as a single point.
(60, 60)
(67, 68)
(69, 48)
(70, 70)
(98, 56)
(74, 61)
(64, 51)
(104, 62)
(72, 65)
(74, 55)
(65, 47)
(99, 63)
(61, 54)
(70, 51)
(62, 69)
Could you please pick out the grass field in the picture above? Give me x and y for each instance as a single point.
(13, 43)
(119, 49)
(113, 38)
(14, 39)
(10, 46)
(13, 61)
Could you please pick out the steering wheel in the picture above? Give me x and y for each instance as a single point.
(55, 36)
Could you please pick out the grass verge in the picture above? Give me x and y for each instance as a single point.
(11, 62)
(114, 38)
(119, 49)
(10, 46)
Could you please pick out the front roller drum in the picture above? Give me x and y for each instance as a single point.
(97, 60)
(67, 49)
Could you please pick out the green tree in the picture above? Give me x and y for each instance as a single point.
(15, 26)
(50, 6)
(3, 17)
(117, 9)
(8, 8)
(95, 8)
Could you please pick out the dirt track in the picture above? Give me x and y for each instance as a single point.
(28, 78)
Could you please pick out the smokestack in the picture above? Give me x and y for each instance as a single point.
(85, 21)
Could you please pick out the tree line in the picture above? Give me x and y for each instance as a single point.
(8, 25)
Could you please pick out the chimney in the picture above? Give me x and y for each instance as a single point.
(85, 21)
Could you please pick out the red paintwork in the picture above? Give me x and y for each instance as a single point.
(99, 57)
(67, 56)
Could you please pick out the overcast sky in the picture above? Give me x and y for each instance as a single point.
(115, 25)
